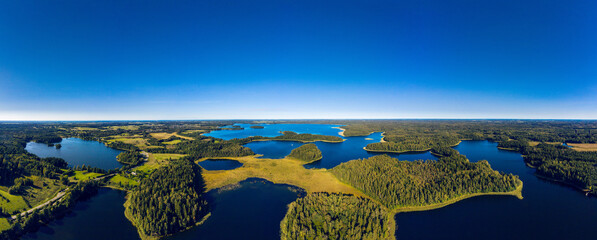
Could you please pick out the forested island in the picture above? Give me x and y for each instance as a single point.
(399, 184)
(307, 153)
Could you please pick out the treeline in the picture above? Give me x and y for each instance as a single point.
(290, 136)
(560, 163)
(419, 183)
(169, 200)
(32, 221)
(335, 216)
(413, 143)
(122, 146)
(208, 148)
(306, 153)
(130, 157)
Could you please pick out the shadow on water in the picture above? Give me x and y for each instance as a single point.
(251, 209)
(100, 217)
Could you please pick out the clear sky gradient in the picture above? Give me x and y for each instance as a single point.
(222, 59)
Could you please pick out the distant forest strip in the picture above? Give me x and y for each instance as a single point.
(398, 184)
(336, 216)
(306, 153)
(292, 136)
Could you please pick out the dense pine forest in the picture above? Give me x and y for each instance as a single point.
(413, 143)
(169, 200)
(306, 153)
(335, 216)
(130, 158)
(398, 183)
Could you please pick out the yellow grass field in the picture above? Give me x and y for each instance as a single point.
(281, 171)
(583, 147)
(165, 135)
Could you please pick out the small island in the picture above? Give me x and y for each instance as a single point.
(307, 153)
(257, 127)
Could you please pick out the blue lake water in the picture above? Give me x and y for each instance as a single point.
(101, 217)
(273, 130)
(220, 164)
(333, 153)
(548, 210)
(252, 210)
(77, 152)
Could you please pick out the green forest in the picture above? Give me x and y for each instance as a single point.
(335, 216)
(169, 200)
(130, 157)
(397, 183)
(306, 153)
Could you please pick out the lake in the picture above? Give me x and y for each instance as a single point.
(252, 209)
(98, 218)
(548, 210)
(78, 152)
(333, 153)
(219, 164)
(273, 130)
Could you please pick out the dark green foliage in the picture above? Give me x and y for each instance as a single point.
(47, 138)
(19, 186)
(306, 153)
(209, 148)
(257, 127)
(307, 137)
(169, 200)
(123, 146)
(413, 143)
(58, 162)
(58, 146)
(564, 164)
(418, 183)
(130, 157)
(335, 216)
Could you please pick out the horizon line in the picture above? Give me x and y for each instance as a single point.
(295, 119)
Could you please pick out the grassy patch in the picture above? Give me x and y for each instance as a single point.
(165, 135)
(282, 171)
(127, 127)
(583, 147)
(120, 180)
(138, 142)
(12, 203)
(156, 160)
(83, 175)
(172, 142)
(42, 190)
(4, 224)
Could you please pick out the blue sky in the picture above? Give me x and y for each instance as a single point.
(222, 59)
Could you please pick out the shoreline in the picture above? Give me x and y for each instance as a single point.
(341, 133)
(515, 193)
(408, 151)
